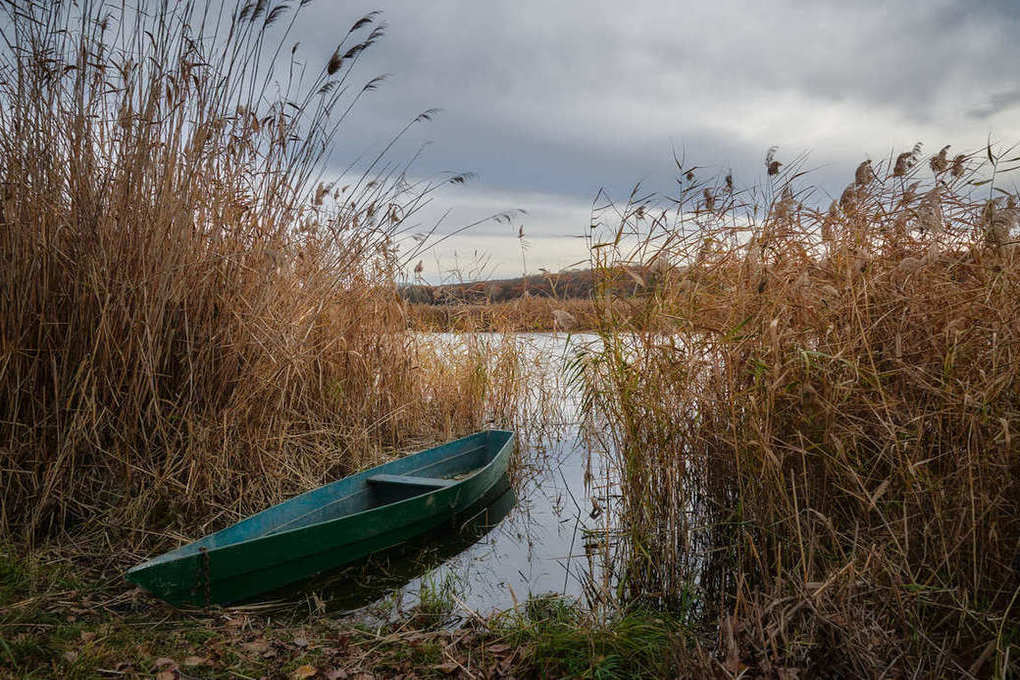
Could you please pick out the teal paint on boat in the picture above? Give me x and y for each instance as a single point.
(331, 526)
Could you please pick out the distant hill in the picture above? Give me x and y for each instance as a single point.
(561, 286)
(567, 285)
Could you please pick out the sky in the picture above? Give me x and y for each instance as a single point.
(549, 102)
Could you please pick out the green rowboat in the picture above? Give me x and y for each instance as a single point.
(332, 525)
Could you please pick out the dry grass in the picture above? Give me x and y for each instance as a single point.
(192, 323)
(819, 440)
(525, 314)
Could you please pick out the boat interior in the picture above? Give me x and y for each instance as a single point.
(425, 472)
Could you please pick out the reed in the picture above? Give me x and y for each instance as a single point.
(816, 422)
(194, 322)
(523, 315)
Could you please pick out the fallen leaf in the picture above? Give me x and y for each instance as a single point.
(303, 672)
(336, 674)
(87, 636)
(499, 649)
(194, 661)
(448, 667)
(168, 675)
(164, 661)
(71, 656)
(733, 664)
(258, 646)
(300, 642)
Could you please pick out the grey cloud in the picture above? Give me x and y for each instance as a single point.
(997, 103)
(568, 97)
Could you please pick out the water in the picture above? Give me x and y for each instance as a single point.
(536, 539)
(538, 547)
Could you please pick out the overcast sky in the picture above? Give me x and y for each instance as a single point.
(549, 101)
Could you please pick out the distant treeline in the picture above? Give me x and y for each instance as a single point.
(567, 285)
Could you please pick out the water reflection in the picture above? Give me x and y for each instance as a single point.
(363, 583)
(545, 542)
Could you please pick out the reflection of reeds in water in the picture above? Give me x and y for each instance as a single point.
(814, 414)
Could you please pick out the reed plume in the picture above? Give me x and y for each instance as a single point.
(194, 323)
(814, 417)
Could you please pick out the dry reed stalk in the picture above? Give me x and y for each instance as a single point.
(815, 420)
(530, 314)
(192, 323)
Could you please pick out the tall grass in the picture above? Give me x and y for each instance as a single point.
(193, 321)
(525, 314)
(815, 414)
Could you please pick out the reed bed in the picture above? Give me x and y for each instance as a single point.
(815, 415)
(194, 321)
(523, 315)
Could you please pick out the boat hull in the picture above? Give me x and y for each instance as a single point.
(285, 544)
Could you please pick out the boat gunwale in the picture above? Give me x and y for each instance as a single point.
(330, 548)
(169, 557)
(366, 477)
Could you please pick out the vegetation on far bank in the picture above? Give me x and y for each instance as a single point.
(523, 315)
(565, 285)
(560, 301)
